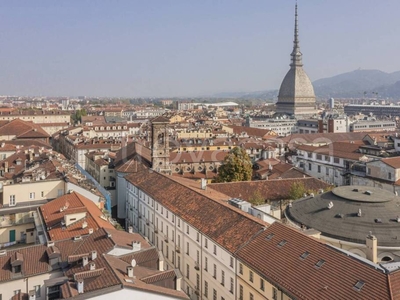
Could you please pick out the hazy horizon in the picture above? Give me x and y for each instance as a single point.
(186, 48)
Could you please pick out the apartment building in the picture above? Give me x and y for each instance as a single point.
(331, 163)
(37, 116)
(203, 253)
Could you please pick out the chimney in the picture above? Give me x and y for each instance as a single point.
(129, 271)
(93, 255)
(130, 229)
(6, 167)
(92, 266)
(372, 248)
(85, 260)
(79, 286)
(136, 246)
(203, 184)
(84, 224)
(32, 295)
(90, 230)
(50, 244)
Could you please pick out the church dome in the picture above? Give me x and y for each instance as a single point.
(296, 84)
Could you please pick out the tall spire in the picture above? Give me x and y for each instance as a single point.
(296, 54)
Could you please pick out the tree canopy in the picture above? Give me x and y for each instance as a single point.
(237, 166)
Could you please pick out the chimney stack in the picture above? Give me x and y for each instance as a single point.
(136, 246)
(93, 254)
(6, 167)
(85, 260)
(129, 271)
(79, 286)
(130, 229)
(372, 248)
(92, 266)
(32, 295)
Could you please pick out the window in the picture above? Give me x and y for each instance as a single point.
(240, 292)
(222, 277)
(240, 269)
(166, 251)
(214, 294)
(205, 263)
(187, 248)
(197, 281)
(205, 288)
(309, 167)
(262, 285)
(215, 249)
(336, 160)
(319, 169)
(327, 171)
(187, 229)
(251, 276)
(319, 156)
(206, 243)
(60, 192)
(179, 222)
(389, 176)
(251, 296)
(187, 271)
(179, 262)
(42, 194)
(231, 262)
(198, 257)
(198, 237)
(215, 271)
(12, 200)
(274, 294)
(359, 285)
(319, 263)
(37, 290)
(231, 288)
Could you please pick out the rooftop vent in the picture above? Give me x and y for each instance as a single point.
(304, 255)
(359, 285)
(369, 193)
(319, 263)
(340, 216)
(282, 243)
(356, 190)
(378, 220)
(330, 205)
(77, 238)
(269, 236)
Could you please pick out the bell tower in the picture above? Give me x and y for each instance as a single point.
(160, 145)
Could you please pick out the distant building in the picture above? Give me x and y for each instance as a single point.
(361, 126)
(377, 110)
(296, 94)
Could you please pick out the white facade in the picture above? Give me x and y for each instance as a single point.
(208, 270)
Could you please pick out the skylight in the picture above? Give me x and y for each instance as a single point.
(319, 263)
(305, 255)
(269, 236)
(282, 243)
(359, 285)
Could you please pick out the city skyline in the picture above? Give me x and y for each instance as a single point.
(160, 49)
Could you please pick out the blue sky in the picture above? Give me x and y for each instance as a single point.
(171, 48)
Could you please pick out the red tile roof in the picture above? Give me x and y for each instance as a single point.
(230, 228)
(300, 278)
(75, 203)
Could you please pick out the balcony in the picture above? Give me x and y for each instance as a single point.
(177, 249)
(196, 265)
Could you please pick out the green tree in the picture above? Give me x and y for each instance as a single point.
(77, 116)
(297, 190)
(236, 166)
(257, 199)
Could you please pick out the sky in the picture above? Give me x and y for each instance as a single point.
(186, 48)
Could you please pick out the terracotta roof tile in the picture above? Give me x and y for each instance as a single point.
(230, 227)
(300, 278)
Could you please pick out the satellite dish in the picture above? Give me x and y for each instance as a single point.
(133, 263)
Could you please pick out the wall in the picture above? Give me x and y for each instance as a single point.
(27, 284)
(5, 233)
(51, 189)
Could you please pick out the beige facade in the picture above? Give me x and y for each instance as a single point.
(25, 285)
(32, 191)
(24, 233)
(252, 286)
(64, 117)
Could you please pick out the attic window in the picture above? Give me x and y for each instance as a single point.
(319, 263)
(359, 285)
(304, 255)
(269, 236)
(282, 243)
